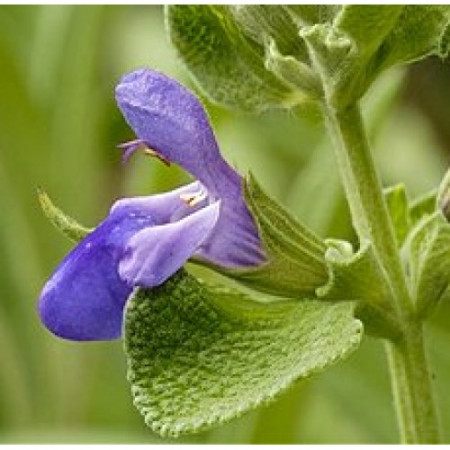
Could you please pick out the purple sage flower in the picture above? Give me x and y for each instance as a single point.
(144, 240)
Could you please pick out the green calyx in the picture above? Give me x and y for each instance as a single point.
(295, 264)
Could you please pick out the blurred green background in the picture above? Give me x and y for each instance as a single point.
(58, 129)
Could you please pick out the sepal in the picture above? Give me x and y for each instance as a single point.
(354, 275)
(295, 264)
(65, 224)
(358, 276)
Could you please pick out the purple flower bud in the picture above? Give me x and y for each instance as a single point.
(145, 240)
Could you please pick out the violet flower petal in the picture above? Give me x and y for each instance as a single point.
(84, 298)
(170, 120)
(155, 253)
(163, 208)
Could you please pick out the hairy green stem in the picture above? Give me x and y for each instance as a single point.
(408, 366)
(365, 197)
(413, 395)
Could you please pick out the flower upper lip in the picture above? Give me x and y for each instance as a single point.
(169, 119)
(145, 240)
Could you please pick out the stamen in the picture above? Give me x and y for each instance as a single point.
(130, 147)
(154, 153)
(194, 198)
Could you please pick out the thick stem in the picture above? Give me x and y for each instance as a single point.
(365, 197)
(412, 389)
(408, 366)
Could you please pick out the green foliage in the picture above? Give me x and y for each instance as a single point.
(261, 22)
(313, 51)
(292, 71)
(423, 234)
(228, 66)
(397, 203)
(359, 277)
(312, 14)
(443, 195)
(418, 32)
(363, 40)
(355, 276)
(422, 206)
(367, 25)
(296, 264)
(428, 255)
(200, 355)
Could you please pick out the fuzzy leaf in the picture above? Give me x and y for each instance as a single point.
(443, 195)
(227, 65)
(354, 276)
(364, 40)
(333, 60)
(367, 25)
(296, 264)
(228, 49)
(422, 206)
(65, 224)
(292, 71)
(397, 203)
(419, 32)
(199, 356)
(261, 22)
(360, 277)
(428, 256)
(312, 14)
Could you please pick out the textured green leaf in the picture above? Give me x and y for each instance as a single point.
(332, 58)
(443, 195)
(422, 206)
(367, 25)
(229, 48)
(261, 22)
(292, 71)
(227, 65)
(428, 256)
(354, 276)
(397, 203)
(65, 224)
(199, 356)
(296, 264)
(419, 31)
(312, 14)
(444, 45)
(360, 277)
(363, 40)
